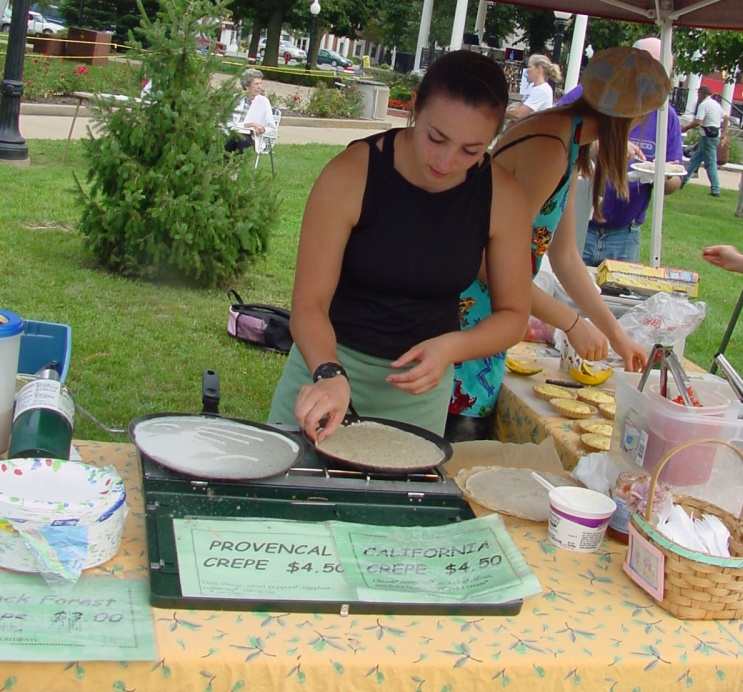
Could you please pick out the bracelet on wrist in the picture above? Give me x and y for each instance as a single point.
(577, 317)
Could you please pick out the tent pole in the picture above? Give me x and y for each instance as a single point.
(423, 30)
(661, 145)
(576, 50)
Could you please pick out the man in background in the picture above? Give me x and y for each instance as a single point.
(709, 117)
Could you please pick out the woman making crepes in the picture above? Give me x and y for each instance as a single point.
(545, 152)
(394, 229)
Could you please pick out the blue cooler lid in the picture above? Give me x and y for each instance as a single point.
(10, 324)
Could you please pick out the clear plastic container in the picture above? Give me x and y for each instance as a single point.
(647, 425)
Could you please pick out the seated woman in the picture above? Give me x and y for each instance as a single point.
(545, 152)
(394, 229)
(538, 95)
(253, 113)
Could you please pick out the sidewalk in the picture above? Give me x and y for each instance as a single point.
(57, 127)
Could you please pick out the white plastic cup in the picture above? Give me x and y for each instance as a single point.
(11, 328)
(578, 518)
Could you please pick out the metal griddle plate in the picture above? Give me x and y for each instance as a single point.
(204, 446)
(443, 446)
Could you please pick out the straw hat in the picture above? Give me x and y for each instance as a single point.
(625, 82)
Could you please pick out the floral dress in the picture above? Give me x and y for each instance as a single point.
(477, 382)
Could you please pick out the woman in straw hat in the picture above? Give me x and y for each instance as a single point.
(546, 152)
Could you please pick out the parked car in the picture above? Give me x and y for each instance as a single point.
(287, 51)
(37, 24)
(330, 57)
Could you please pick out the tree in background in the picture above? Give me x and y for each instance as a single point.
(163, 199)
(118, 16)
(703, 51)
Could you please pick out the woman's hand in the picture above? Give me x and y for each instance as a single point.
(589, 343)
(321, 407)
(431, 357)
(634, 356)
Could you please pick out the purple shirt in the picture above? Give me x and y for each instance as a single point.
(619, 213)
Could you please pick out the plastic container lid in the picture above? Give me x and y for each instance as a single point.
(10, 324)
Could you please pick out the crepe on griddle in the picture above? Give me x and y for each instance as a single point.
(380, 446)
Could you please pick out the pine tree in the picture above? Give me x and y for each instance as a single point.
(163, 198)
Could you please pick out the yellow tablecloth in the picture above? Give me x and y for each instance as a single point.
(590, 629)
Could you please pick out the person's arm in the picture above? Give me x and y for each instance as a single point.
(333, 208)
(571, 271)
(516, 111)
(724, 256)
(674, 151)
(698, 118)
(507, 258)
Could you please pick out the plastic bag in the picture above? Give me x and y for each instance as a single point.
(664, 318)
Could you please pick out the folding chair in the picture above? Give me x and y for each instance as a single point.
(267, 141)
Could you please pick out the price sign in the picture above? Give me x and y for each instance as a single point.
(258, 559)
(472, 560)
(96, 619)
(339, 561)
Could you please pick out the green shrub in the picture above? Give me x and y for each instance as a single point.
(400, 92)
(46, 77)
(327, 102)
(163, 198)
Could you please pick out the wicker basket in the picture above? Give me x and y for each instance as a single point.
(697, 586)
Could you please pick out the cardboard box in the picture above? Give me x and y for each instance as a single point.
(647, 280)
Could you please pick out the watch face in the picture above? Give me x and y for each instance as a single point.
(327, 370)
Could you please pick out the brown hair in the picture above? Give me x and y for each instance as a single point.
(469, 77)
(611, 164)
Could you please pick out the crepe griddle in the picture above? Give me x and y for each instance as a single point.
(208, 445)
(444, 447)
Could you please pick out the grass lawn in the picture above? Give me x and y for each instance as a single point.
(140, 348)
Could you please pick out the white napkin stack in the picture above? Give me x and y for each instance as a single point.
(705, 535)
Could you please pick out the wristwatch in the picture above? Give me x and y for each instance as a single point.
(327, 370)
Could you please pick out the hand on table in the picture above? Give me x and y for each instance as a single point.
(725, 256)
(430, 358)
(327, 401)
(588, 341)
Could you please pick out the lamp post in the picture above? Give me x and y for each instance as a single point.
(314, 11)
(12, 144)
(561, 20)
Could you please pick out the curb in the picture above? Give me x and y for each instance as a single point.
(68, 111)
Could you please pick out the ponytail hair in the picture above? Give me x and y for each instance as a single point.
(551, 70)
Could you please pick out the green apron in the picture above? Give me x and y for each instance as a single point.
(371, 395)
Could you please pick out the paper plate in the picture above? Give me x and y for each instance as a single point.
(209, 447)
(649, 167)
(54, 491)
(103, 539)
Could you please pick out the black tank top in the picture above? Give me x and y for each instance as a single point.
(409, 256)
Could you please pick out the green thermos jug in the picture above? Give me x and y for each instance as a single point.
(43, 418)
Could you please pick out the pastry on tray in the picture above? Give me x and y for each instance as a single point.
(594, 396)
(596, 427)
(608, 410)
(572, 408)
(552, 391)
(601, 443)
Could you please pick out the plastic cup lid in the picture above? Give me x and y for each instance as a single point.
(10, 324)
